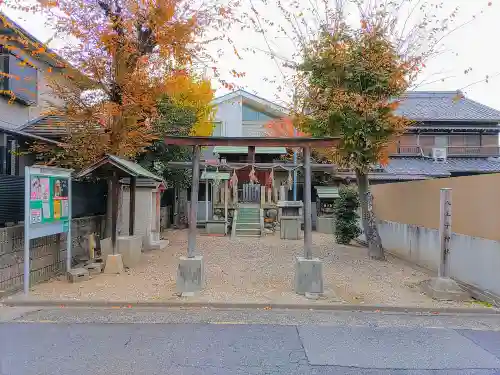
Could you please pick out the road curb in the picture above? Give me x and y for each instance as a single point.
(240, 305)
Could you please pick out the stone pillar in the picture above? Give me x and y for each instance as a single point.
(308, 270)
(206, 200)
(193, 207)
(235, 194)
(190, 272)
(226, 202)
(269, 195)
(262, 195)
(282, 196)
(443, 287)
(307, 204)
(215, 195)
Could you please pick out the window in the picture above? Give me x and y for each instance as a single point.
(471, 140)
(21, 79)
(217, 130)
(250, 114)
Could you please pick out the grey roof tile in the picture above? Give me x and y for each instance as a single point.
(47, 125)
(416, 166)
(444, 106)
(429, 167)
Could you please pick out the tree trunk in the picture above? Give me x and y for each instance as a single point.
(375, 249)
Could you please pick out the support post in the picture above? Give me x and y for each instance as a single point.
(307, 204)
(131, 218)
(206, 200)
(295, 170)
(114, 210)
(444, 231)
(27, 242)
(251, 154)
(443, 287)
(308, 270)
(194, 202)
(69, 240)
(226, 198)
(190, 272)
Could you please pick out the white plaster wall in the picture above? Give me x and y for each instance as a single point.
(143, 211)
(16, 114)
(13, 115)
(230, 113)
(472, 260)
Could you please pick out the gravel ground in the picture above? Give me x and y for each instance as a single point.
(256, 270)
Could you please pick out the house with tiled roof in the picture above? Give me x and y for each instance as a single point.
(25, 95)
(451, 135)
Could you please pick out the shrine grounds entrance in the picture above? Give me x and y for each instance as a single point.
(308, 278)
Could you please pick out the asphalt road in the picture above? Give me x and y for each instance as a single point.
(158, 341)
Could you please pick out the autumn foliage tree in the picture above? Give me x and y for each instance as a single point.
(353, 78)
(131, 53)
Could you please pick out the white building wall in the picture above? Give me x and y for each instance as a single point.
(230, 114)
(16, 114)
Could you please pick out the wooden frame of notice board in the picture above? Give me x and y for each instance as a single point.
(47, 209)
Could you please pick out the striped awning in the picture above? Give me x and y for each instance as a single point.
(244, 150)
(206, 175)
(327, 191)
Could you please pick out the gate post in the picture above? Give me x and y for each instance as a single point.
(308, 270)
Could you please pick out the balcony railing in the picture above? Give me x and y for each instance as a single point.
(477, 151)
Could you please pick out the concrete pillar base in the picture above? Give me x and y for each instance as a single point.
(444, 289)
(114, 264)
(130, 248)
(76, 275)
(325, 225)
(190, 275)
(308, 276)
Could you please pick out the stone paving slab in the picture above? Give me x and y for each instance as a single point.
(488, 340)
(393, 348)
(148, 349)
(184, 349)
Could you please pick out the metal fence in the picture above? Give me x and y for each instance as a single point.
(88, 199)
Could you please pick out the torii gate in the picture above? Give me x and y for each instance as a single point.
(308, 270)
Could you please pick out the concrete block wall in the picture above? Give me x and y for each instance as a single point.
(48, 254)
(472, 260)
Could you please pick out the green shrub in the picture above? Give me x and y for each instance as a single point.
(346, 215)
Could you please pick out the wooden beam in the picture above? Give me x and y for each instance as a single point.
(251, 154)
(193, 208)
(131, 218)
(252, 141)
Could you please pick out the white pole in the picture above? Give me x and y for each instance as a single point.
(226, 198)
(206, 199)
(27, 197)
(68, 236)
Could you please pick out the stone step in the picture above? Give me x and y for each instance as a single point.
(244, 231)
(244, 224)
